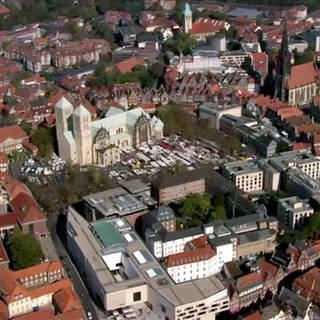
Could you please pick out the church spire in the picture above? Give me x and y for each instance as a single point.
(284, 64)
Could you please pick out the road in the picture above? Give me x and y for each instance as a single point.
(56, 248)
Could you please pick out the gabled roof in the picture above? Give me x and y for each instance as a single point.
(249, 280)
(187, 257)
(207, 25)
(268, 267)
(45, 267)
(66, 300)
(302, 74)
(13, 132)
(26, 208)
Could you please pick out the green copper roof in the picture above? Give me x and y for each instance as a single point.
(187, 11)
(107, 234)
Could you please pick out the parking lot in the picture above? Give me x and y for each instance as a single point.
(44, 171)
(171, 152)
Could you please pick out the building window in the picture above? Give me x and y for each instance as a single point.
(31, 228)
(163, 308)
(137, 296)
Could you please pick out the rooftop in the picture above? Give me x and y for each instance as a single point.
(106, 233)
(242, 167)
(147, 270)
(115, 202)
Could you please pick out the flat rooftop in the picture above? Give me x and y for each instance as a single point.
(242, 167)
(106, 233)
(143, 265)
(292, 159)
(135, 186)
(115, 202)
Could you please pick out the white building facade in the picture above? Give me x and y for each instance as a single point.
(83, 141)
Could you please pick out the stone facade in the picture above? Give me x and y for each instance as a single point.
(83, 141)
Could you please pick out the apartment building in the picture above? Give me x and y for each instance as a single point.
(72, 53)
(30, 288)
(40, 274)
(293, 212)
(303, 160)
(234, 57)
(231, 239)
(190, 265)
(12, 138)
(4, 162)
(122, 272)
(246, 175)
(175, 187)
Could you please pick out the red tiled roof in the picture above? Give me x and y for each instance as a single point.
(26, 208)
(148, 106)
(268, 267)
(3, 254)
(38, 315)
(253, 316)
(14, 187)
(4, 10)
(260, 61)
(248, 280)
(301, 75)
(127, 65)
(66, 300)
(4, 315)
(301, 146)
(207, 25)
(309, 128)
(8, 286)
(285, 113)
(309, 284)
(191, 256)
(198, 243)
(45, 267)
(13, 132)
(50, 288)
(9, 219)
(3, 158)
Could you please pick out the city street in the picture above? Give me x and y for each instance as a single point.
(53, 249)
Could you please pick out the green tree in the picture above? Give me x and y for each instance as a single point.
(182, 42)
(305, 57)
(24, 250)
(219, 208)
(157, 69)
(43, 139)
(283, 146)
(195, 207)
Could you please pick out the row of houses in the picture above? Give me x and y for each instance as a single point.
(60, 56)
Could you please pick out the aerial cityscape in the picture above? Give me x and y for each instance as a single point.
(159, 160)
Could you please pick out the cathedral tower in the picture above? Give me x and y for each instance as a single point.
(63, 112)
(82, 134)
(187, 25)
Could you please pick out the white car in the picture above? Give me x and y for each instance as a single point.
(89, 315)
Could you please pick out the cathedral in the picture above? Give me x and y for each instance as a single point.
(100, 142)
